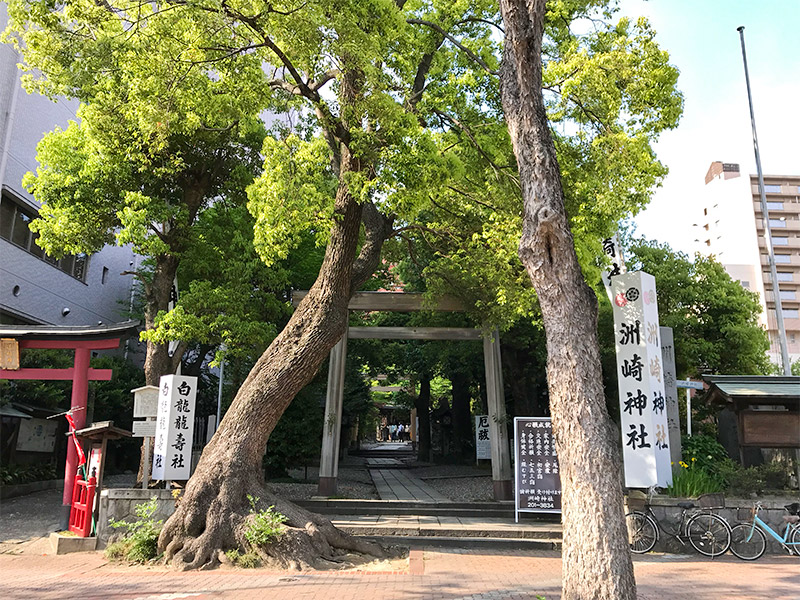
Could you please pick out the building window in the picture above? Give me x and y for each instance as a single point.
(745, 284)
(774, 205)
(772, 189)
(782, 276)
(783, 259)
(780, 241)
(788, 295)
(14, 227)
(777, 223)
(791, 313)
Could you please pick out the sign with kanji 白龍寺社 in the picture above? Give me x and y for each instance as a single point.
(172, 456)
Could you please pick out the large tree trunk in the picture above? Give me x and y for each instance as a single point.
(462, 426)
(157, 360)
(423, 405)
(212, 515)
(596, 557)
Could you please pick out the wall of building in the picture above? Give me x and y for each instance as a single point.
(33, 289)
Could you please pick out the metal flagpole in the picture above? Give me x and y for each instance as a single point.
(787, 367)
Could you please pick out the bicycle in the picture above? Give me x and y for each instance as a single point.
(708, 533)
(749, 542)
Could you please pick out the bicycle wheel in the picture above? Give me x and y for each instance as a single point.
(795, 540)
(709, 534)
(642, 532)
(745, 545)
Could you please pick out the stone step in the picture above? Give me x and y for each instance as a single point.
(467, 543)
(400, 530)
(452, 509)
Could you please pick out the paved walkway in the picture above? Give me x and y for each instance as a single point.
(433, 574)
(396, 484)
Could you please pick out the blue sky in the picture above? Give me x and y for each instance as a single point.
(704, 45)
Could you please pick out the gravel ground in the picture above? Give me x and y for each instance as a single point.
(460, 483)
(353, 482)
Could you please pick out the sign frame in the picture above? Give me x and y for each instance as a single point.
(518, 422)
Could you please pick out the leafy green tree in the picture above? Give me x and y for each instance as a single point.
(597, 560)
(713, 318)
(159, 137)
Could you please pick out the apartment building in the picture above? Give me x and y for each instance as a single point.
(36, 288)
(732, 228)
(783, 206)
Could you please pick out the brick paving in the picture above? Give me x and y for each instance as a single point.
(433, 574)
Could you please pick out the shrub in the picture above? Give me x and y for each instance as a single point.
(705, 451)
(140, 543)
(742, 481)
(248, 560)
(17, 474)
(692, 480)
(265, 525)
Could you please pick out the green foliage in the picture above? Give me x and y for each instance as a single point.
(692, 480)
(140, 542)
(47, 394)
(264, 526)
(17, 474)
(714, 319)
(705, 451)
(741, 481)
(297, 438)
(248, 560)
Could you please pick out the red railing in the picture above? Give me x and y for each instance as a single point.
(80, 516)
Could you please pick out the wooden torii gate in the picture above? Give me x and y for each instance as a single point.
(409, 302)
(83, 340)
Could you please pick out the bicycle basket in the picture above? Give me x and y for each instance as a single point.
(636, 501)
(715, 500)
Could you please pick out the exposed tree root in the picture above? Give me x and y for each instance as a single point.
(210, 521)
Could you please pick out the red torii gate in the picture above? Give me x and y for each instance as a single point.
(83, 340)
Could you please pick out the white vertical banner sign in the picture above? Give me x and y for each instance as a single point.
(671, 394)
(483, 444)
(613, 252)
(645, 438)
(172, 457)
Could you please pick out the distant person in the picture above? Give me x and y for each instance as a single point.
(400, 431)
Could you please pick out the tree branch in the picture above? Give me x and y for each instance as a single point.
(377, 229)
(475, 58)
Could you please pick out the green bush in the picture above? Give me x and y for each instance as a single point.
(265, 526)
(248, 560)
(17, 474)
(707, 452)
(742, 481)
(140, 543)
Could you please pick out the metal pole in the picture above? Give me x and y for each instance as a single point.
(688, 412)
(219, 391)
(787, 367)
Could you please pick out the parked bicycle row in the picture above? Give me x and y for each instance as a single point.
(709, 533)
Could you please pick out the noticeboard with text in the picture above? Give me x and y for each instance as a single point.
(483, 444)
(536, 473)
(172, 455)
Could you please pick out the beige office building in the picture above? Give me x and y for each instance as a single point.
(732, 228)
